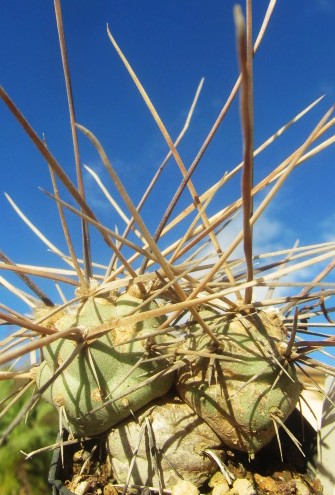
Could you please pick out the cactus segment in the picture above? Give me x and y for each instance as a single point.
(104, 369)
(250, 388)
(180, 438)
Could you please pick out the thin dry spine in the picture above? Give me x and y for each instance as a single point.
(225, 285)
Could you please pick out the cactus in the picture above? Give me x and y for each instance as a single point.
(250, 385)
(107, 363)
(184, 317)
(181, 437)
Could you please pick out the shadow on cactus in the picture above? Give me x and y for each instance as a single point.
(186, 318)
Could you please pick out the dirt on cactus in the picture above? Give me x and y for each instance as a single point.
(88, 469)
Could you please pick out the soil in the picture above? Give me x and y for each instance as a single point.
(88, 470)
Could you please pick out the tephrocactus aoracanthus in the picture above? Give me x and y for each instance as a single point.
(251, 384)
(183, 314)
(107, 366)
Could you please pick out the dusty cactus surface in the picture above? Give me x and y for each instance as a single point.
(251, 384)
(180, 437)
(107, 367)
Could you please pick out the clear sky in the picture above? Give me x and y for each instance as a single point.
(171, 45)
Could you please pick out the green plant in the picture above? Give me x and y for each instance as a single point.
(241, 402)
(18, 476)
(158, 317)
(110, 362)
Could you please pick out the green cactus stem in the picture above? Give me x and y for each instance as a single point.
(252, 385)
(107, 367)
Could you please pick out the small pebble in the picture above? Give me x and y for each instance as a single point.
(110, 490)
(244, 487)
(220, 489)
(82, 488)
(184, 488)
(266, 483)
(216, 479)
(301, 488)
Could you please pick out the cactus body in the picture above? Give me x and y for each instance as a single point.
(249, 388)
(100, 371)
(180, 439)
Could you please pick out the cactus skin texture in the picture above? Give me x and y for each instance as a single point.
(249, 389)
(180, 436)
(99, 372)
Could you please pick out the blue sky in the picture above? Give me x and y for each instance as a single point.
(171, 45)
